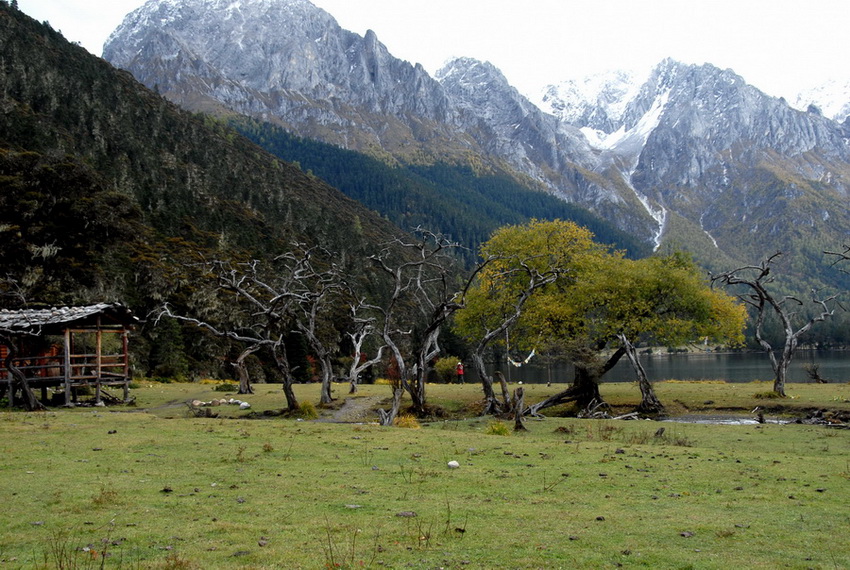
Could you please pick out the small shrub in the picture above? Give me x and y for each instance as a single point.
(176, 562)
(682, 441)
(106, 496)
(639, 437)
(497, 428)
(407, 421)
(307, 410)
(446, 369)
(267, 447)
(602, 432)
(769, 395)
(226, 387)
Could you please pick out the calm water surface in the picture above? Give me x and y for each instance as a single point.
(731, 367)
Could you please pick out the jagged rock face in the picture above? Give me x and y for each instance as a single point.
(691, 155)
(289, 62)
(537, 144)
(699, 146)
(510, 124)
(723, 152)
(285, 59)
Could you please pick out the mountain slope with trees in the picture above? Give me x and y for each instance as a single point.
(692, 159)
(112, 193)
(461, 203)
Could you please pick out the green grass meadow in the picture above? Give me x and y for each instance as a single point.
(154, 487)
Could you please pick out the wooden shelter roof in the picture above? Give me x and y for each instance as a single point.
(34, 320)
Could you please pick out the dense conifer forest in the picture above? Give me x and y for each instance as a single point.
(452, 199)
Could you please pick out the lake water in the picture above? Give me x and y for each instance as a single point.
(731, 367)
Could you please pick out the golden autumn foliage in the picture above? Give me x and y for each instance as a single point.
(597, 295)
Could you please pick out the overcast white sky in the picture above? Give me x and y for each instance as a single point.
(780, 46)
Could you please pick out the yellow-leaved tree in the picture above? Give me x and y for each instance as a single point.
(591, 303)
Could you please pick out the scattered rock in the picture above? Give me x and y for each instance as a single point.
(687, 534)
(453, 464)
(406, 514)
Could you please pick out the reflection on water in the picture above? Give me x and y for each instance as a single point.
(731, 367)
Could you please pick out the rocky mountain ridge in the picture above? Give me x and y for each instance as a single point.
(695, 157)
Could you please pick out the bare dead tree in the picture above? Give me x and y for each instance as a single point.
(840, 256)
(426, 279)
(363, 328)
(242, 369)
(254, 338)
(757, 279)
(265, 314)
(312, 293)
(274, 300)
(12, 294)
(535, 280)
(19, 378)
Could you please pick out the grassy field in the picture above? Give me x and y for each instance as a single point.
(154, 487)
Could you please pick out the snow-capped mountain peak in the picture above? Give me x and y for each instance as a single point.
(597, 101)
(832, 100)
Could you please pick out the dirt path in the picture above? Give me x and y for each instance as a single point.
(356, 409)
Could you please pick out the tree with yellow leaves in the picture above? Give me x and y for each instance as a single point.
(595, 305)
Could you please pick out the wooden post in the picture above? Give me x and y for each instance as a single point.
(126, 354)
(67, 366)
(98, 361)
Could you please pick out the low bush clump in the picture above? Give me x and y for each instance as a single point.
(497, 428)
(307, 410)
(769, 395)
(407, 421)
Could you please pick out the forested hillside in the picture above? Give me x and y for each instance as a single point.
(111, 193)
(453, 199)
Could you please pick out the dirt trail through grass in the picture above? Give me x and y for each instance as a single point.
(356, 409)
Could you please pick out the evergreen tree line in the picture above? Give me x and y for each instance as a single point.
(451, 199)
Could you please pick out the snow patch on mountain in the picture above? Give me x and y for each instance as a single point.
(832, 99)
(635, 137)
(597, 101)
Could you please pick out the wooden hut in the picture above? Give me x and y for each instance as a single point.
(68, 347)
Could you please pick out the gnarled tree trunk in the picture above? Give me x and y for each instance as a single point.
(30, 401)
(386, 418)
(242, 370)
(519, 409)
(282, 361)
(649, 402)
